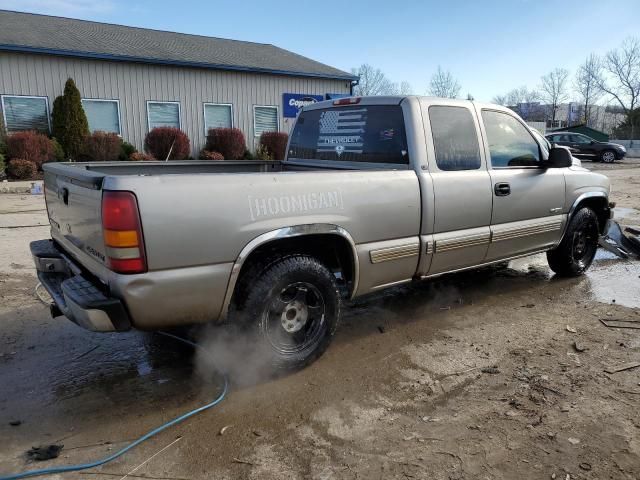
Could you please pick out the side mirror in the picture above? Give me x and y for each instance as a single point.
(559, 158)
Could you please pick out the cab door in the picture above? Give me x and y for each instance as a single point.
(528, 200)
(461, 185)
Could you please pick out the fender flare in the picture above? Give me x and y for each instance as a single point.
(288, 232)
(574, 207)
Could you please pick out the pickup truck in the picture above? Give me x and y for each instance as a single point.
(374, 192)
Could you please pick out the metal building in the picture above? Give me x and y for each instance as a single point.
(134, 79)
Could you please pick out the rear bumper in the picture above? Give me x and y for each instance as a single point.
(75, 294)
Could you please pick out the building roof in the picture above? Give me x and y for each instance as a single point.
(27, 32)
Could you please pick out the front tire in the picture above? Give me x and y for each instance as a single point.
(578, 247)
(293, 306)
(608, 156)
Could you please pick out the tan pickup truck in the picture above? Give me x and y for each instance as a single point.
(374, 192)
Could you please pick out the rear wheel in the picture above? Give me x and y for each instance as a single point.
(608, 156)
(293, 306)
(578, 247)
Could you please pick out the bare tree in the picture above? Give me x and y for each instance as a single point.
(586, 85)
(372, 81)
(521, 100)
(443, 84)
(554, 89)
(501, 100)
(405, 89)
(622, 81)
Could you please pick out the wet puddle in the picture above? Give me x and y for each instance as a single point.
(613, 280)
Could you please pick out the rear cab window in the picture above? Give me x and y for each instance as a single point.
(370, 136)
(455, 139)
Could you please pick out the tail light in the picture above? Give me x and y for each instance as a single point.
(123, 232)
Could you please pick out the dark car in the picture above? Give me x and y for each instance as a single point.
(588, 148)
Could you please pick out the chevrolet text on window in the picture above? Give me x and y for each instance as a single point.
(372, 134)
(102, 115)
(217, 115)
(25, 113)
(265, 119)
(163, 114)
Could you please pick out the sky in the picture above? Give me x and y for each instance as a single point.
(490, 46)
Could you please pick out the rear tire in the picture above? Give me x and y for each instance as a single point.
(578, 247)
(293, 307)
(608, 156)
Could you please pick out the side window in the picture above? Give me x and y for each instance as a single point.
(455, 139)
(580, 139)
(510, 143)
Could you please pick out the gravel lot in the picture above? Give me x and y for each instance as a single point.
(497, 374)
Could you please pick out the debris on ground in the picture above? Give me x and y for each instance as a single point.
(492, 370)
(573, 441)
(44, 452)
(623, 244)
(635, 324)
(579, 347)
(622, 368)
(15, 423)
(571, 329)
(224, 429)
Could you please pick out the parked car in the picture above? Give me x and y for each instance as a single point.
(374, 192)
(588, 148)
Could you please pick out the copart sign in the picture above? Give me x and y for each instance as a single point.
(293, 102)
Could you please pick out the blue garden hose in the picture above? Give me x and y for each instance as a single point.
(135, 443)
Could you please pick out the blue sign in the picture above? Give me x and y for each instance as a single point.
(293, 102)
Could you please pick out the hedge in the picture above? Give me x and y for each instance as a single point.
(229, 142)
(163, 142)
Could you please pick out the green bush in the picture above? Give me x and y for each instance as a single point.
(248, 155)
(262, 153)
(22, 169)
(3, 166)
(58, 152)
(126, 150)
(69, 122)
(3, 137)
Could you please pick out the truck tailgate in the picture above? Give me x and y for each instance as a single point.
(74, 198)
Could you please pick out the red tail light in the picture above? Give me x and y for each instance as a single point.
(123, 232)
(347, 101)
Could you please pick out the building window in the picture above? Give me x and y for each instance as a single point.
(217, 115)
(163, 114)
(265, 119)
(25, 113)
(102, 115)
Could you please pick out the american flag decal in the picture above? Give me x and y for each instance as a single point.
(341, 130)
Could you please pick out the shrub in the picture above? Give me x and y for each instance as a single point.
(228, 141)
(126, 150)
(139, 156)
(275, 143)
(262, 153)
(58, 152)
(31, 146)
(248, 155)
(69, 122)
(163, 142)
(101, 147)
(3, 166)
(209, 155)
(22, 169)
(3, 137)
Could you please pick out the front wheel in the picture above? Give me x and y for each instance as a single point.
(293, 306)
(608, 156)
(578, 247)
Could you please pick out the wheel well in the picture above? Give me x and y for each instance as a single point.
(334, 251)
(600, 205)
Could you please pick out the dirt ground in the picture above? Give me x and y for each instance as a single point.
(491, 374)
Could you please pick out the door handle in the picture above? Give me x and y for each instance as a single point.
(502, 189)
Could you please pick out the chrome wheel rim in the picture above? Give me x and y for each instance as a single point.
(608, 157)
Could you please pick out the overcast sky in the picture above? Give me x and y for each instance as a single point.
(489, 46)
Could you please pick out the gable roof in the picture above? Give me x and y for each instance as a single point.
(27, 32)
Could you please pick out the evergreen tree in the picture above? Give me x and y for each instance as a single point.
(70, 126)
